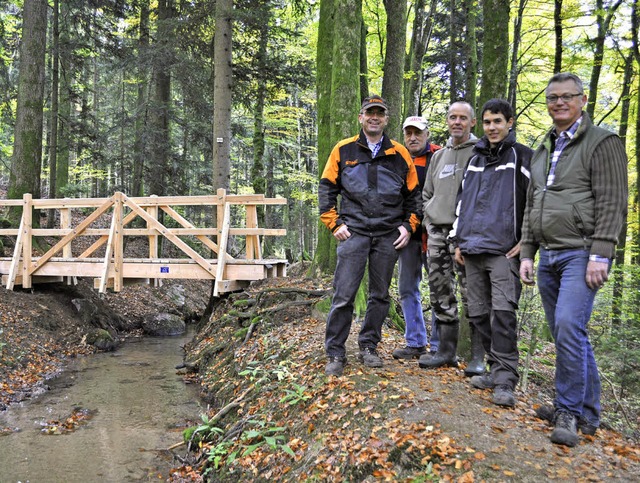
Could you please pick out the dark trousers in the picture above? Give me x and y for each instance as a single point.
(353, 255)
(493, 286)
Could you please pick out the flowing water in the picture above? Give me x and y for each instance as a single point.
(124, 410)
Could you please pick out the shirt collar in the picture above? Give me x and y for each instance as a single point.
(569, 133)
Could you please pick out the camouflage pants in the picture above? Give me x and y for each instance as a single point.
(442, 276)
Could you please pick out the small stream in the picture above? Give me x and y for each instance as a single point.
(131, 406)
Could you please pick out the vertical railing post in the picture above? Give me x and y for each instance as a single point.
(65, 222)
(153, 240)
(27, 242)
(222, 199)
(118, 245)
(252, 241)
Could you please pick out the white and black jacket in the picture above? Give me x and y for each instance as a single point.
(492, 197)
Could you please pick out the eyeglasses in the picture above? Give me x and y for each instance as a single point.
(552, 99)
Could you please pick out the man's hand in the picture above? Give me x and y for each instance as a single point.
(458, 256)
(342, 233)
(526, 272)
(514, 252)
(403, 239)
(597, 274)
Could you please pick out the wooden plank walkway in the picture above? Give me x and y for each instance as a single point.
(113, 270)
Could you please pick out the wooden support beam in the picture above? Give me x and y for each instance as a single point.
(226, 220)
(191, 253)
(67, 239)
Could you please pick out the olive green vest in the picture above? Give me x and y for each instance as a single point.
(563, 215)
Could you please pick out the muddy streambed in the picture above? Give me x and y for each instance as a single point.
(108, 418)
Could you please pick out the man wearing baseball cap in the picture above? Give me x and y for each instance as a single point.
(413, 257)
(379, 209)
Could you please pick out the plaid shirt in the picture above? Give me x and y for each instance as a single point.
(560, 140)
(375, 147)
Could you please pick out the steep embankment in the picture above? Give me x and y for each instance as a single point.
(274, 415)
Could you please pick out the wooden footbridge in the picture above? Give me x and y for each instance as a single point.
(111, 269)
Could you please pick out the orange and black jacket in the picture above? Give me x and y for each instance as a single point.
(377, 194)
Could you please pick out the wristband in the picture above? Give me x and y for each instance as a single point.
(598, 258)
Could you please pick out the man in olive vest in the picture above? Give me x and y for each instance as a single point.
(576, 206)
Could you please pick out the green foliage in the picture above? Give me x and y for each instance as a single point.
(296, 395)
(206, 432)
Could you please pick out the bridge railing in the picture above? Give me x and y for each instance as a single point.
(111, 270)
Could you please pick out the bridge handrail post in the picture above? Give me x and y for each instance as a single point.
(27, 242)
(153, 240)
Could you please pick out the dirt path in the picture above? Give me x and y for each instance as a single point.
(396, 423)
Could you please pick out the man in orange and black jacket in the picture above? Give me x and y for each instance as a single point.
(379, 210)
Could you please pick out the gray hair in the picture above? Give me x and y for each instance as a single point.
(567, 76)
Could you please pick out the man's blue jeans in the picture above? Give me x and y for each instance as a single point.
(410, 263)
(353, 254)
(568, 302)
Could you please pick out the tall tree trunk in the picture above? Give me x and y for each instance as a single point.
(618, 275)
(325, 255)
(258, 178)
(495, 54)
(26, 163)
(557, 28)
(514, 71)
(160, 145)
(364, 63)
(635, 41)
(64, 103)
(471, 52)
(223, 82)
(53, 142)
(339, 36)
(393, 76)
(603, 21)
(345, 66)
(453, 51)
(139, 147)
(422, 24)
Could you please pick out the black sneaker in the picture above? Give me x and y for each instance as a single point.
(409, 352)
(335, 365)
(369, 357)
(566, 431)
(483, 381)
(547, 413)
(503, 396)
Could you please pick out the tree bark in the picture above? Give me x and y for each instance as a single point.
(55, 86)
(422, 25)
(495, 54)
(139, 146)
(223, 82)
(393, 76)
(514, 71)
(603, 20)
(471, 52)
(325, 259)
(161, 134)
(26, 163)
(557, 27)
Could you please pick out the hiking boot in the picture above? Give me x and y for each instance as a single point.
(503, 395)
(408, 352)
(335, 365)
(483, 381)
(547, 412)
(566, 431)
(369, 357)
